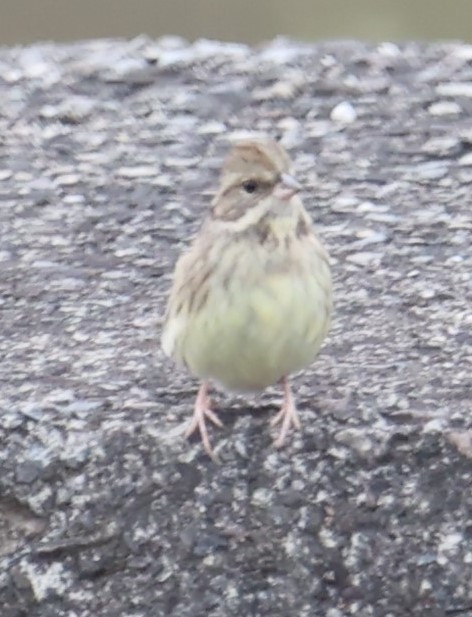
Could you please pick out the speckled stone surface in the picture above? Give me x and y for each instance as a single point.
(109, 152)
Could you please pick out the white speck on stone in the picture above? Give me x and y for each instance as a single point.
(386, 500)
(367, 237)
(43, 263)
(455, 88)
(76, 447)
(322, 496)
(441, 145)
(172, 161)
(75, 108)
(23, 176)
(292, 545)
(466, 160)
(207, 48)
(328, 61)
(454, 259)
(334, 612)
(280, 51)
(355, 439)
(171, 41)
(343, 113)
(463, 52)
(209, 561)
(388, 50)
(114, 275)
(448, 544)
(153, 49)
(54, 578)
(5, 174)
(11, 76)
(261, 497)
(142, 171)
(36, 502)
(59, 396)
(327, 538)
(344, 203)
(444, 108)
(289, 124)
(466, 136)
(364, 258)
(431, 170)
(175, 57)
(67, 179)
(36, 66)
(125, 66)
(68, 283)
(425, 586)
(82, 407)
(211, 128)
(5, 255)
(319, 128)
(283, 89)
(340, 453)
(427, 294)
(72, 200)
(434, 426)
(369, 206)
(127, 252)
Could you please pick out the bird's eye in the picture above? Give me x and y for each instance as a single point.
(250, 186)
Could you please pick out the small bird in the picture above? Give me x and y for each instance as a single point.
(251, 298)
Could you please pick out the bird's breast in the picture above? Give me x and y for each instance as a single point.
(267, 320)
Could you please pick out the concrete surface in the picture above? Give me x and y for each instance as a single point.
(109, 155)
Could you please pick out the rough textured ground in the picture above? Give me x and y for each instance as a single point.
(108, 157)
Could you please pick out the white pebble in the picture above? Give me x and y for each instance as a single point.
(388, 50)
(444, 108)
(343, 113)
(466, 160)
(140, 171)
(455, 88)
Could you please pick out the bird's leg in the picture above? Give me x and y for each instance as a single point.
(201, 412)
(287, 415)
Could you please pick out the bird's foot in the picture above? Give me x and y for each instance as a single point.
(201, 413)
(287, 416)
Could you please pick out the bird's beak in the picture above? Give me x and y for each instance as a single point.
(287, 187)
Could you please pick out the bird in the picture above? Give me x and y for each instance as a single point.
(251, 298)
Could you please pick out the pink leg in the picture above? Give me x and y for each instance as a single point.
(200, 413)
(287, 415)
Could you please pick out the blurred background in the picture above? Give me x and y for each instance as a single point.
(250, 21)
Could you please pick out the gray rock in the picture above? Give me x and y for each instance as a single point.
(27, 472)
(111, 152)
